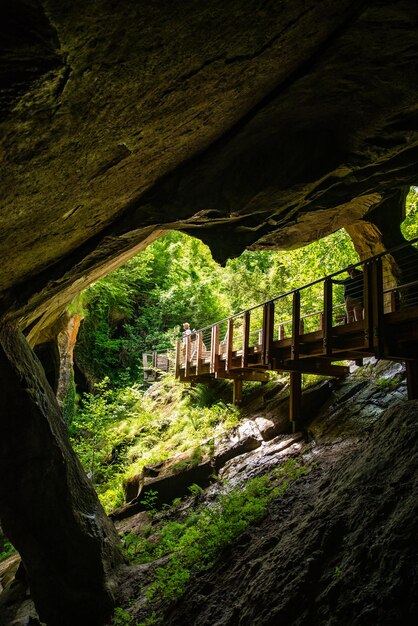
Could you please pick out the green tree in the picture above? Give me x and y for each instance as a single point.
(141, 306)
(409, 226)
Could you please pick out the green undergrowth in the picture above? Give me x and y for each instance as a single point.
(194, 544)
(6, 550)
(116, 432)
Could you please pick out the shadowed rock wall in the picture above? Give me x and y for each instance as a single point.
(259, 123)
(48, 508)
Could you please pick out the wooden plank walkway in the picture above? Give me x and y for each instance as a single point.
(285, 335)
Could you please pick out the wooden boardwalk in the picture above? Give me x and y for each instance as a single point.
(304, 331)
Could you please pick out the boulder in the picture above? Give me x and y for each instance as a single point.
(243, 439)
(266, 427)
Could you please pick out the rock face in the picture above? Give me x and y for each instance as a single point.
(275, 122)
(66, 343)
(48, 508)
(339, 548)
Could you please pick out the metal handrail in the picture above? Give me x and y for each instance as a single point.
(315, 282)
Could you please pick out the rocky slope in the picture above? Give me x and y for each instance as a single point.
(338, 547)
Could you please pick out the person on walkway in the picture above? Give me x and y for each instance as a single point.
(353, 294)
(186, 333)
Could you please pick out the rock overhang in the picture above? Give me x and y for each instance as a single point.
(266, 125)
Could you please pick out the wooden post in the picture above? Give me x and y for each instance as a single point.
(268, 330)
(237, 391)
(178, 356)
(187, 357)
(295, 399)
(393, 300)
(281, 332)
(245, 338)
(145, 364)
(214, 349)
(199, 351)
(368, 307)
(295, 326)
(327, 318)
(378, 308)
(301, 327)
(412, 379)
(229, 344)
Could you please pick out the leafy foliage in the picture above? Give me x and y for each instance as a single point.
(409, 226)
(119, 430)
(6, 549)
(139, 308)
(122, 617)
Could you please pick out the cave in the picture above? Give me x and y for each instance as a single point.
(258, 125)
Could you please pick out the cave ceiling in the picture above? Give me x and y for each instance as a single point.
(263, 124)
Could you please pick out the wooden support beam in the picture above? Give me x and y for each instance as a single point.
(295, 347)
(326, 321)
(199, 351)
(268, 330)
(229, 344)
(245, 338)
(368, 306)
(295, 399)
(412, 379)
(214, 349)
(254, 375)
(318, 367)
(378, 308)
(187, 357)
(237, 391)
(178, 358)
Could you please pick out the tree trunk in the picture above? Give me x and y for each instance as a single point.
(48, 508)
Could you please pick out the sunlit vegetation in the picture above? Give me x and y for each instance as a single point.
(142, 305)
(6, 549)
(409, 226)
(119, 430)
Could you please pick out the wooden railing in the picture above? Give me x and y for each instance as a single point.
(285, 333)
